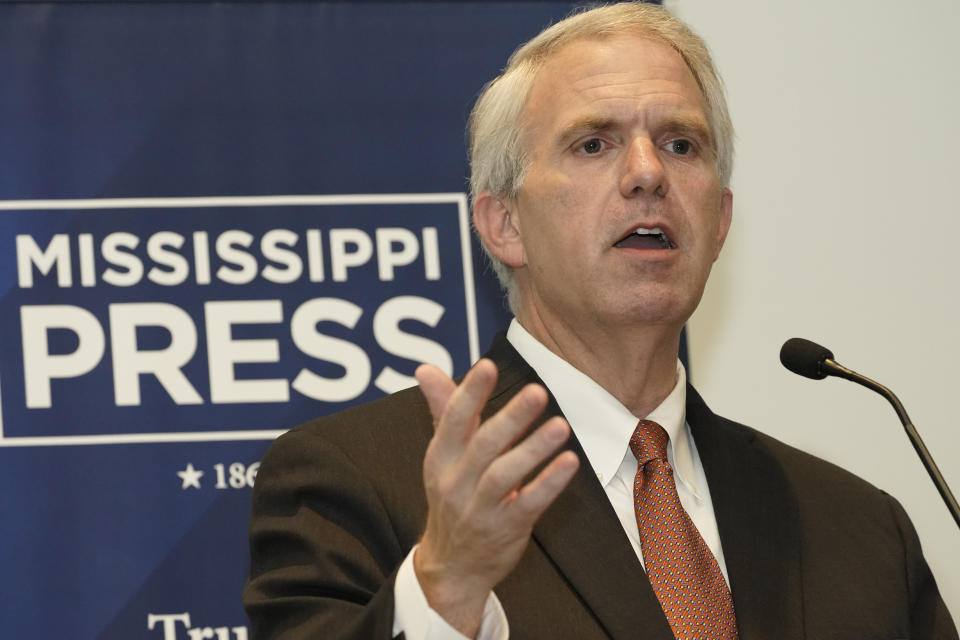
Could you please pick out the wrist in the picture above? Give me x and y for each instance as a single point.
(459, 600)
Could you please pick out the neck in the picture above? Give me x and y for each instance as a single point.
(635, 364)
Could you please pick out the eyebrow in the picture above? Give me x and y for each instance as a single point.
(584, 125)
(694, 127)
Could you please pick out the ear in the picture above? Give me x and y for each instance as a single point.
(496, 222)
(726, 217)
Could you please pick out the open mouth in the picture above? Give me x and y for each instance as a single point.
(654, 238)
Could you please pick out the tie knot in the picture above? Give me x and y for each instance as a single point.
(649, 442)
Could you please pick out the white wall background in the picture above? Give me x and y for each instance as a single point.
(846, 218)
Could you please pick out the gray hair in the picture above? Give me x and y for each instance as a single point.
(498, 161)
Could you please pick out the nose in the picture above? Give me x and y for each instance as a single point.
(642, 172)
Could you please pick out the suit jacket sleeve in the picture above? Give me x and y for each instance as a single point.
(323, 548)
(929, 617)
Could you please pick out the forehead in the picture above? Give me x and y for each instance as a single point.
(616, 73)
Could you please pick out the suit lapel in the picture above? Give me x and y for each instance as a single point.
(758, 522)
(583, 537)
(581, 534)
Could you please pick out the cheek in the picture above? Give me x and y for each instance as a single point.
(701, 200)
(559, 215)
(549, 207)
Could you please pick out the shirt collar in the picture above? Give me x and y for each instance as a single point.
(601, 423)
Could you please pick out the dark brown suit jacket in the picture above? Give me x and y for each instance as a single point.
(811, 550)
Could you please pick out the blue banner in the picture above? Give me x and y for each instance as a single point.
(218, 221)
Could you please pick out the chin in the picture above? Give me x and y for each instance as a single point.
(654, 313)
(657, 307)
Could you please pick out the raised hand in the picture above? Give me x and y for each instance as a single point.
(481, 513)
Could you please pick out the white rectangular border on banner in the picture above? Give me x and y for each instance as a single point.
(459, 199)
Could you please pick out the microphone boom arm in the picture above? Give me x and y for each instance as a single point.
(832, 368)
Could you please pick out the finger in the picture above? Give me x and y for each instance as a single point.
(436, 386)
(457, 412)
(502, 430)
(505, 473)
(461, 415)
(534, 498)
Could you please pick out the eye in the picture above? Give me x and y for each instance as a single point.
(680, 147)
(592, 146)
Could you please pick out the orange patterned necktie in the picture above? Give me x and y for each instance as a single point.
(683, 573)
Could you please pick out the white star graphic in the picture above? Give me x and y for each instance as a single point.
(190, 476)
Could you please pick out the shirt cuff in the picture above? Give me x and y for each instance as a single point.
(413, 616)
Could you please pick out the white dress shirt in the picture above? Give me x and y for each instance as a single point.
(604, 427)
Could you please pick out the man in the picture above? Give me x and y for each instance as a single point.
(600, 167)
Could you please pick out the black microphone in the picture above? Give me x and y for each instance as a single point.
(810, 360)
(805, 358)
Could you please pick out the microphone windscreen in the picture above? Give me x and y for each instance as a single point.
(804, 357)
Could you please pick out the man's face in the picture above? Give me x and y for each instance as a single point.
(620, 150)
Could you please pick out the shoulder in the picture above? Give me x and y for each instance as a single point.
(399, 423)
(836, 511)
(819, 474)
(377, 447)
(803, 470)
(814, 478)
(362, 465)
